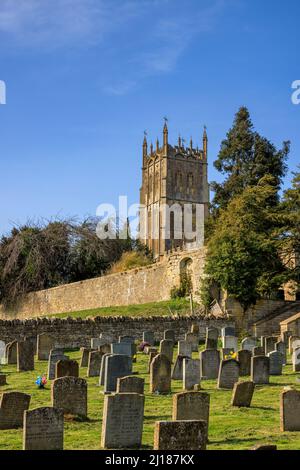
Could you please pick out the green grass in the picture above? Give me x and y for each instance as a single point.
(229, 428)
(176, 306)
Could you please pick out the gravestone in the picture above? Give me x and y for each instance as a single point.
(122, 424)
(177, 372)
(45, 343)
(296, 360)
(151, 357)
(184, 349)
(191, 406)
(2, 380)
(12, 407)
(70, 394)
(43, 429)
(280, 347)
(25, 356)
(244, 359)
(260, 366)
(54, 356)
(66, 368)
(228, 374)
(2, 352)
(180, 435)
(294, 343)
(191, 373)
(211, 340)
(166, 348)
(193, 339)
(124, 349)
(242, 394)
(228, 331)
(262, 341)
(148, 337)
(248, 343)
(195, 329)
(276, 362)
(94, 364)
(96, 343)
(270, 342)
(209, 364)
(150, 349)
(126, 339)
(258, 351)
(230, 342)
(11, 353)
(169, 334)
(285, 338)
(117, 365)
(160, 374)
(84, 361)
(102, 369)
(105, 348)
(290, 410)
(130, 384)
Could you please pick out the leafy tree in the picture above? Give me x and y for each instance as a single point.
(244, 158)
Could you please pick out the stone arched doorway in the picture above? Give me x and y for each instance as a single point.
(186, 274)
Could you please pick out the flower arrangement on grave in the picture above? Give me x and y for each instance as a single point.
(231, 355)
(41, 381)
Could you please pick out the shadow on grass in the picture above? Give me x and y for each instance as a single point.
(235, 440)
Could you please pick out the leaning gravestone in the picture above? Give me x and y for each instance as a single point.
(12, 407)
(296, 360)
(166, 348)
(191, 373)
(122, 424)
(25, 356)
(230, 342)
(280, 347)
(244, 359)
(148, 337)
(184, 348)
(66, 368)
(177, 372)
(242, 394)
(54, 356)
(43, 429)
(169, 334)
(228, 374)
(130, 384)
(180, 435)
(248, 343)
(290, 410)
(84, 356)
(260, 366)
(193, 339)
(160, 374)
(276, 363)
(94, 364)
(209, 364)
(11, 353)
(45, 343)
(212, 335)
(2, 352)
(191, 406)
(270, 342)
(70, 394)
(117, 365)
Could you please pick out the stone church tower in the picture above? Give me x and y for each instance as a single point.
(172, 175)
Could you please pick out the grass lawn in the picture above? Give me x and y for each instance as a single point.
(176, 306)
(230, 428)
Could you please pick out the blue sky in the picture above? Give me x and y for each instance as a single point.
(85, 78)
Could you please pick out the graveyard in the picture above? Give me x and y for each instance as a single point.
(230, 427)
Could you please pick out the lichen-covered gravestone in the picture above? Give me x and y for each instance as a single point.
(180, 435)
(209, 364)
(184, 348)
(25, 356)
(122, 424)
(191, 405)
(160, 375)
(228, 374)
(54, 356)
(117, 365)
(43, 429)
(130, 384)
(260, 366)
(193, 339)
(242, 394)
(211, 340)
(45, 343)
(94, 364)
(191, 373)
(169, 334)
(70, 394)
(85, 356)
(244, 359)
(12, 407)
(290, 410)
(166, 348)
(66, 368)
